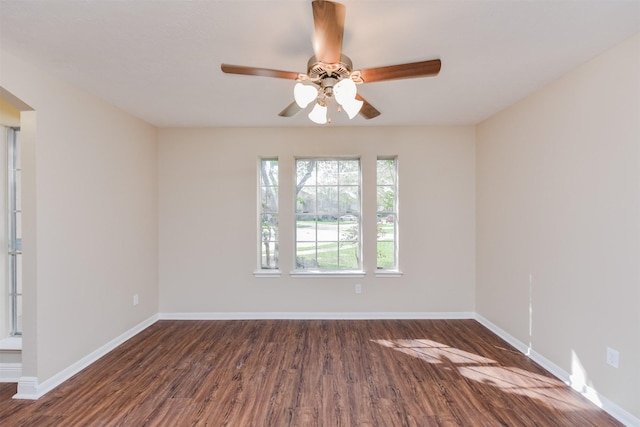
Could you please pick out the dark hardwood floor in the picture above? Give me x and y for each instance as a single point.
(309, 373)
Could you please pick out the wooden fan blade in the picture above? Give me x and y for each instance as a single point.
(291, 110)
(367, 111)
(328, 20)
(262, 72)
(402, 71)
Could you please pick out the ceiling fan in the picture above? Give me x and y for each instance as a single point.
(330, 74)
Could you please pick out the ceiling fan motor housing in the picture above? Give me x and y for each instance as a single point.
(318, 71)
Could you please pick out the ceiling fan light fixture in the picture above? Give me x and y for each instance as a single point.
(352, 108)
(318, 114)
(345, 91)
(304, 94)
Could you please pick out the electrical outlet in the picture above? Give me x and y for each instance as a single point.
(136, 300)
(613, 357)
(358, 288)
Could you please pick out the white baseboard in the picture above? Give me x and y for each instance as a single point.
(29, 387)
(315, 315)
(590, 393)
(10, 372)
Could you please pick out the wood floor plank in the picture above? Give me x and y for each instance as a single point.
(309, 373)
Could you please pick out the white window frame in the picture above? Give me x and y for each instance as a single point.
(269, 235)
(383, 213)
(300, 270)
(14, 235)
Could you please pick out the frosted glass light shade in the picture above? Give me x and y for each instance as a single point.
(318, 114)
(304, 94)
(352, 107)
(345, 91)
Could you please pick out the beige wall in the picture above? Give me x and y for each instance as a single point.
(207, 211)
(90, 223)
(558, 222)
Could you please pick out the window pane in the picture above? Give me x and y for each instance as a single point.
(18, 193)
(306, 255)
(18, 325)
(19, 274)
(349, 230)
(269, 227)
(327, 230)
(306, 200)
(269, 252)
(327, 200)
(18, 222)
(386, 199)
(386, 255)
(386, 171)
(327, 172)
(387, 228)
(306, 249)
(305, 172)
(306, 228)
(349, 172)
(349, 199)
(269, 173)
(328, 255)
(349, 255)
(18, 149)
(269, 199)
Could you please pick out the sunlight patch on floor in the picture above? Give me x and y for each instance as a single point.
(433, 352)
(548, 390)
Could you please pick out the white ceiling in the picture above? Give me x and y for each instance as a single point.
(160, 59)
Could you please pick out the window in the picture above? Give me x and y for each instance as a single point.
(387, 202)
(14, 246)
(268, 214)
(327, 209)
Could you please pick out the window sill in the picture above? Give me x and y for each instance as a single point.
(326, 274)
(11, 344)
(267, 273)
(388, 273)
